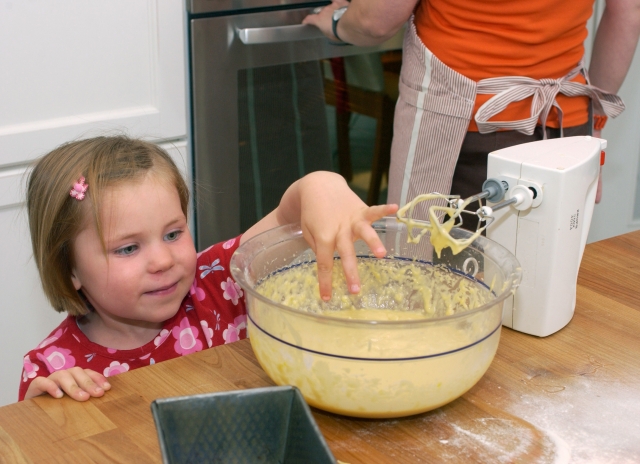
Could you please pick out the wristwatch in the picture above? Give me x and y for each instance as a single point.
(337, 14)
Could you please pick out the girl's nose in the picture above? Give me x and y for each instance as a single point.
(161, 259)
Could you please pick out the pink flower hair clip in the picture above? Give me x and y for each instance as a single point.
(79, 189)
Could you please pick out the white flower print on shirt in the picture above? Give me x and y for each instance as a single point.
(232, 291)
(186, 336)
(196, 291)
(57, 358)
(30, 369)
(208, 333)
(115, 368)
(162, 336)
(232, 333)
(51, 339)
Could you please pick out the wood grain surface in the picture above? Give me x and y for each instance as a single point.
(571, 397)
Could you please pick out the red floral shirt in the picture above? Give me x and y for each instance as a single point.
(211, 314)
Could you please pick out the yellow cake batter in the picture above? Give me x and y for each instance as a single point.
(351, 365)
(405, 289)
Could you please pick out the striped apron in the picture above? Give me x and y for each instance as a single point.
(435, 107)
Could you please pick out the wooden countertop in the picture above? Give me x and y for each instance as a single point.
(571, 397)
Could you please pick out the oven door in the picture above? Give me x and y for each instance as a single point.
(263, 95)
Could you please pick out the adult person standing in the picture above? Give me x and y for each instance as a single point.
(481, 76)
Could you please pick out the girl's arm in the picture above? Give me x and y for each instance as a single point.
(366, 22)
(332, 217)
(80, 384)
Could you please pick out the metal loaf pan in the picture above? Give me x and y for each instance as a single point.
(260, 425)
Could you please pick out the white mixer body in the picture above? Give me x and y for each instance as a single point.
(548, 238)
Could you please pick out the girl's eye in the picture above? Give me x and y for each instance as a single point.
(173, 236)
(126, 250)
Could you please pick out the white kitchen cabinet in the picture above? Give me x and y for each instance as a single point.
(73, 69)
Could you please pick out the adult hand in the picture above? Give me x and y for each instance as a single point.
(323, 20)
(80, 384)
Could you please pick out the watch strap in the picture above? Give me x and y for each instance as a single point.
(334, 27)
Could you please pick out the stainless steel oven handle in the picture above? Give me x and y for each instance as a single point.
(266, 35)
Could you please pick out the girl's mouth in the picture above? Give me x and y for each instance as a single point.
(163, 291)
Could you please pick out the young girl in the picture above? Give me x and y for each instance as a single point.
(109, 233)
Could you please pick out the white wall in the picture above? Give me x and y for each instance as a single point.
(26, 314)
(619, 210)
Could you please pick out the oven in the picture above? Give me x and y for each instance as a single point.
(272, 100)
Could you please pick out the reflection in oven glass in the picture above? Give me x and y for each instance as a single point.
(334, 114)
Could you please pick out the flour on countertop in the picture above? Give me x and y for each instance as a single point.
(585, 418)
(457, 438)
(598, 419)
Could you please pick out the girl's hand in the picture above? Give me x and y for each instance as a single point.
(80, 384)
(333, 217)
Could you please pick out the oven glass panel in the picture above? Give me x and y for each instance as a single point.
(334, 114)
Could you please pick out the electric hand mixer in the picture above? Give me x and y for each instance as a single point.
(540, 199)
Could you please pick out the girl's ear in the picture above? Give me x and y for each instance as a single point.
(76, 282)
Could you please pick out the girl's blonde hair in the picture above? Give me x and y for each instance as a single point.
(56, 218)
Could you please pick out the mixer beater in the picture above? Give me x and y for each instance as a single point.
(493, 190)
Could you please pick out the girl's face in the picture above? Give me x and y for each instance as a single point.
(151, 259)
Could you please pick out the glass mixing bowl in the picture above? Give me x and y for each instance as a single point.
(373, 368)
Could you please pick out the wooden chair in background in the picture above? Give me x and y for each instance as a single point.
(349, 99)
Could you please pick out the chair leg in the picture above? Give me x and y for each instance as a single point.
(343, 117)
(382, 151)
(344, 149)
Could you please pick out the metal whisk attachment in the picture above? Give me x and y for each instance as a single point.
(493, 190)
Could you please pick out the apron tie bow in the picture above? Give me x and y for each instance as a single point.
(510, 89)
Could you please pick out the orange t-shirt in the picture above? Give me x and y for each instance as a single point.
(494, 38)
